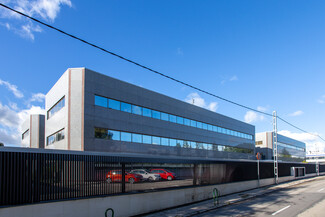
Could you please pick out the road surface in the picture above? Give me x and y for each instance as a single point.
(304, 200)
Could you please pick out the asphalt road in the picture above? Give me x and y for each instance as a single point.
(303, 200)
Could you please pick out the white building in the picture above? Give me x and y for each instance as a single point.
(33, 131)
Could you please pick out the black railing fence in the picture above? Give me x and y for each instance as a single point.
(31, 176)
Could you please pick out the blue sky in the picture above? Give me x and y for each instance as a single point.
(268, 55)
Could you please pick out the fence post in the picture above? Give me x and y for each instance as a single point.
(123, 177)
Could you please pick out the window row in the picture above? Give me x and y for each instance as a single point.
(55, 137)
(290, 146)
(102, 133)
(138, 110)
(57, 107)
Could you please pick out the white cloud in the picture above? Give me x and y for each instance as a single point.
(12, 88)
(46, 9)
(321, 100)
(196, 99)
(9, 138)
(213, 106)
(27, 31)
(296, 113)
(12, 120)
(234, 78)
(37, 97)
(261, 109)
(8, 117)
(252, 116)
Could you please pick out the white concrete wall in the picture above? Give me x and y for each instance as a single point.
(60, 119)
(76, 113)
(132, 204)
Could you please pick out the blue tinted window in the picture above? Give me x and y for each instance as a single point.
(125, 137)
(114, 135)
(179, 143)
(136, 138)
(59, 105)
(172, 142)
(192, 144)
(187, 122)
(126, 107)
(214, 129)
(219, 130)
(199, 124)
(193, 123)
(164, 116)
(180, 120)
(146, 139)
(156, 140)
(223, 130)
(146, 112)
(101, 101)
(172, 118)
(155, 114)
(209, 146)
(136, 110)
(186, 144)
(210, 127)
(204, 146)
(198, 145)
(221, 148)
(165, 141)
(113, 104)
(204, 126)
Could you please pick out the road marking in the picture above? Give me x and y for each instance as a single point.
(281, 210)
(320, 190)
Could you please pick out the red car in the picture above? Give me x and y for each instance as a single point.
(116, 176)
(164, 174)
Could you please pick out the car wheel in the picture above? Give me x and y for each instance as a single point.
(169, 178)
(108, 180)
(131, 180)
(150, 179)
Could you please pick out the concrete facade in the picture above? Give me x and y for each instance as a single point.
(33, 131)
(288, 149)
(80, 116)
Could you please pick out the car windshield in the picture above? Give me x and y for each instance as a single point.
(168, 171)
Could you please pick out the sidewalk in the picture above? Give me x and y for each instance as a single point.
(208, 205)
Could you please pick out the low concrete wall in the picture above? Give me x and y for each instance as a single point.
(132, 204)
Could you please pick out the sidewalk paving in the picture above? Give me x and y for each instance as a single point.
(208, 205)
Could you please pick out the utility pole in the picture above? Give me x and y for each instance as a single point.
(275, 148)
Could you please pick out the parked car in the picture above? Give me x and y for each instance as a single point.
(164, 174)
(146, 174)
(116, 176)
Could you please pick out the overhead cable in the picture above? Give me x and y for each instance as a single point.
(148, 68)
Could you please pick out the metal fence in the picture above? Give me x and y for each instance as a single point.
(31, 176)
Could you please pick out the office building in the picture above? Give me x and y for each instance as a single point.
(89, 111)
(33, 131)
(288, 149)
